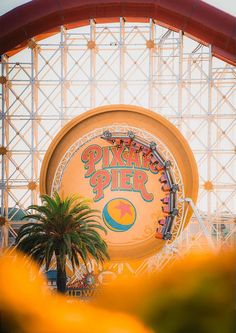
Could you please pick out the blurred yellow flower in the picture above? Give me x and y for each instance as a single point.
(194, 295)
(26, 306)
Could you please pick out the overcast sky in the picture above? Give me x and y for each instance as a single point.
(226, 5)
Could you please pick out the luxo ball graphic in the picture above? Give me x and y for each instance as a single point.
(119, 214)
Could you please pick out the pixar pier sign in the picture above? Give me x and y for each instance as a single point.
(117, 168)
(134, 165)
(131, 184)
(124, 173)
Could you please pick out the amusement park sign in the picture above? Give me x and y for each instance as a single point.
(133, 170)
(119, 168)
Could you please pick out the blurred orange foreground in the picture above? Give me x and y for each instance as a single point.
(194, 295)
(26, 306)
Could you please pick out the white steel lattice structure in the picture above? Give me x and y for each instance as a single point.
(52, 81)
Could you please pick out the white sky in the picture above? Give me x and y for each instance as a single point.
(225, 5)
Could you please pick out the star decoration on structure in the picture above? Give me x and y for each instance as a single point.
(124, 209)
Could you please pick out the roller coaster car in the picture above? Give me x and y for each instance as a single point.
(127, 142)
(118, 142)
(166, 188)
(161, 235)
(165, 200)
(162, 222)
(147, 154)
(163, 178)
(166, 209)
(137, 147)
(158, 234)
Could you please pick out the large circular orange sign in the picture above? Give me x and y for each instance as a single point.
(135, 166)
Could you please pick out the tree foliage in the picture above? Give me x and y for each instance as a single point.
(67, 228)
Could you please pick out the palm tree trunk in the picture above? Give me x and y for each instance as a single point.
(61, 276)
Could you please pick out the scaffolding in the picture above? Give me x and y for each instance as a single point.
(52, 81)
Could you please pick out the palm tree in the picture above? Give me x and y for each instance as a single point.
(64, 228)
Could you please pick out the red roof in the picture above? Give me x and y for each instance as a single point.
(196, 18)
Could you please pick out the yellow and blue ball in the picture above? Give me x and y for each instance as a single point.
(119, 214)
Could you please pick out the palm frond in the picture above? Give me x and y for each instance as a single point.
(65, 228)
